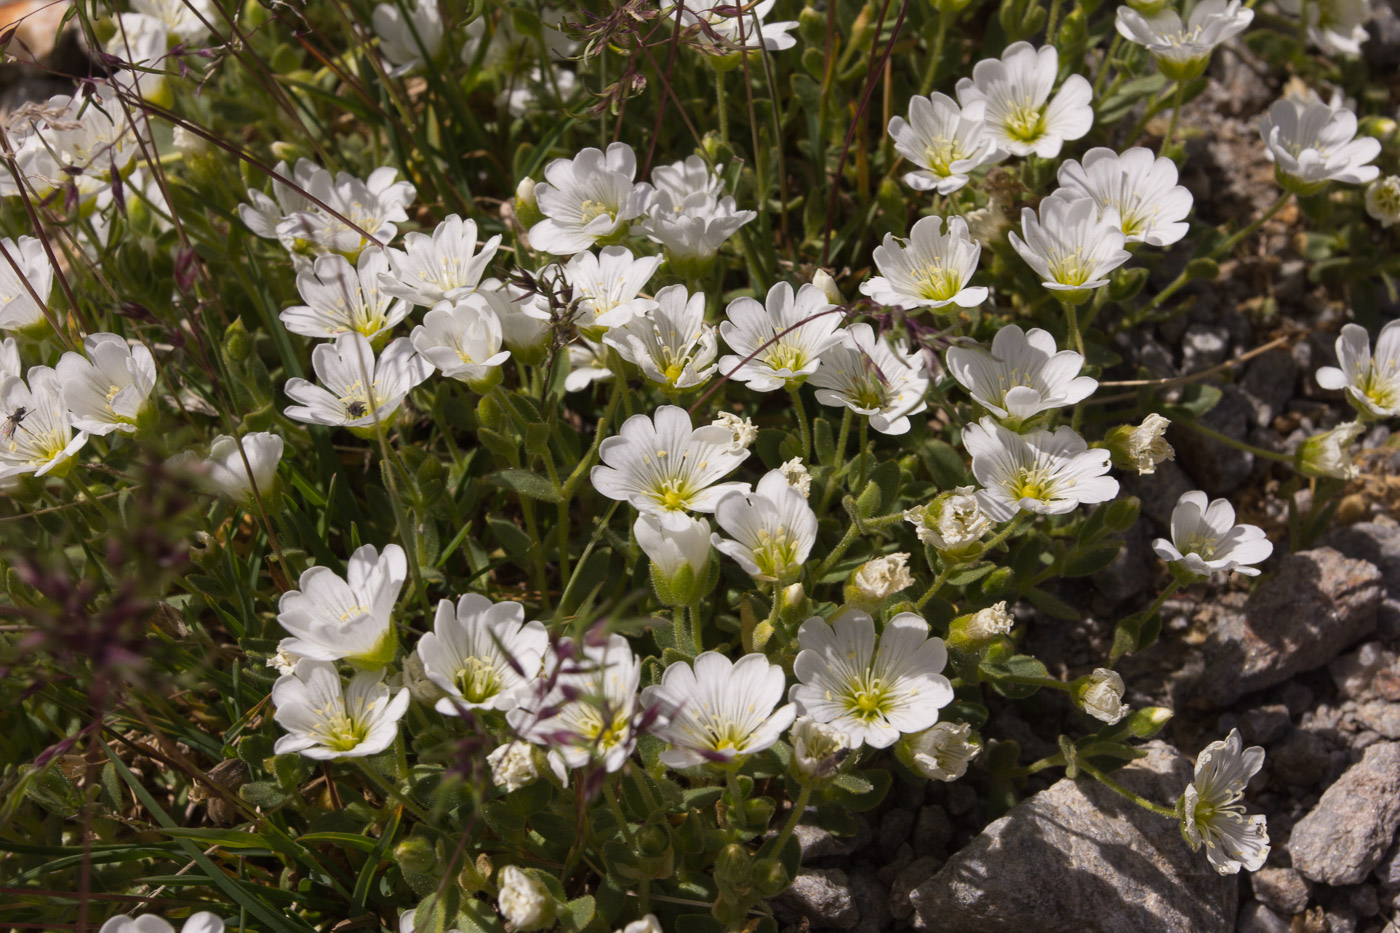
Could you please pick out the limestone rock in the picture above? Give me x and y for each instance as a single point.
(1350, 829)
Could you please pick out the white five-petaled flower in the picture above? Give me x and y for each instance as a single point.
(483, 655)
(738, 27)
(1335, 26)
(263, 213)
(1022, 375)
(1072, 245)
(721, 710)
(1382, 201)
(944, 140)
(445, 266)
(680, 180)
(225, 470)
(1041, 472)
(201, 922)
(1326, 454)
(343, 398)
(1312, 145)
(608, 287)
(326, 719)
(588, 198)
(524, 900)
(673, 549)
(1183, 50)
(1101, 695)
(1151, 206)
(18, 309)
(929, 270)
(671, 344)
(1015, 91)
(943, 752)
(330, 617)
(1205, 538)
(665, 466)
(773, 529)
(588, 363)
(872, 695)
(1371, 381)
(342, 298)
(778, 343)
(37, 436)
(373, 206)
(1211, 812)
(75, 140)
(463, 340)
(694, 229)
(873, 378)
(408, 43)
(107, 389)
(952, 521)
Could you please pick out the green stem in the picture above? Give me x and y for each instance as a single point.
(731, 778)
(76, 481)
(695, 630)
(392, 792)
(1032, 681)
(610, 792)
(864, 450)
(804, 429)
(849, 538)
(1162, 597)
(723, 104)
(936, 56)
(1103, 69)
(1051, 21)
(1176, 115)
(1015, 525)
(937, 584)
(837, 468)
(799, 807)
(1237, 444)
(678, 629)
(1075, 337)
(1106, 781)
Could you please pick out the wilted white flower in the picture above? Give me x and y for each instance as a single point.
(225, 470)
(343, 399)
(743, 432)
(773, 529)
(1071, 245)
(513, 765)
(873, 378)
(872, 695)
(778, 344)
(1142, 188)
(795, 472)
(343, 298)
(18, 309)
(720, 711)
(463, 341)
(1015, 92)
(1335, 26)
(738, 27)
(412, 42)
(1183, 50)
(1041, 472)
(954, 520)
(1312, 145)
(483, 655)
(671, 344)
(524, 900)
(588, 198)
(608, 287)
(929, 270)
(108, 389)
(201, 922)
(445, 266)
(943, 752)
(37, 436)
(1101, 695)
(679, 556)
(1371, 383)
(988, 623)
(374, 206)
(882, 577)
(1383, 200)
(1325, 454)
(1205, 538)
(330, 618)
(944, 140)
(326, 719)
(1211, 812)
(693, 230)
(1142, 447)
(1023, 375)
(818, 748)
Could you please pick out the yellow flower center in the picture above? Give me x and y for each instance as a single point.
(478, 680)
(591, 210)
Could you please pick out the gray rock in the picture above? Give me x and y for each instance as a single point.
(1377, 542)
(1354, 673)
(895, 826)
(1203, 346)
(1388, 871)
(823, 896)
(1341, 920)
(1160, 491)
(1077, 857)
(872, 903)
(1301, 759)
(1269, 382)
(1316, 605)
(1381, 716)
(1218, 468)
(1283, 889)
(913, 875)
(933, 831)
(1350, 829)
(817, 842)
(1364, 901)
(1265, 725)
(1256, 918)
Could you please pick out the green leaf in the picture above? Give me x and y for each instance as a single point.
(1051, 605)
(1082, 563)
(525, 483)
(512, 539)
(577, 914)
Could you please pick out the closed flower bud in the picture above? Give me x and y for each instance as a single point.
(1148, 721)
(823, 280)
(1140, 448)
(416, 854)
(733, 867)
(770, 878)
(1325, 455)
(526, 209)
(1100, 694)
(524, 900)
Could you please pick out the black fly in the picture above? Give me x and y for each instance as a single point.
(7, 430)
(356, 409)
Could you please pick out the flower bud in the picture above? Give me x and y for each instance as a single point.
(416, 854)
(1325, 455)
(977, 628)
(1140, 448)
(823, 280)
(733, 867)
(1148, 8)
(770, 878)
(1100, 694)
(941, 753)
(817, 750)
(796, 608)
(526, 209)
(524, 900)
(1148, 721)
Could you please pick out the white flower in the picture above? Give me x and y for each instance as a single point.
(1335, 26)
(1072, 245)
(140, 43)
(680, 180)
(1312, 145)
(721, 710)
(873, 378)
(463, 341)
(36, 435)
(1151, 206)
(526, 335)
(743, 432)
(1143, 447)
(1205, 538)
(673, 549)
(739, 27)
(225, 471)
(1383, 200)
(108, 389)
(330, 618)
(10, 362)
(666, 467)
(817, 748)
(773, 529)
(883, 577)
(18, 309)
(944, 140)
(588, 198)
(513, 765)
(1371, 383)
(648, 924)
(929, 270)
(784, 337)
(536, 90)
(184, 20)
(608, 286)
(73, 140)
(373, 205)
(343, 398)
(264, 213)
(342, 298)
(483, 655)
(1101, 695)
(1211, 812)
(671, 344)
(694, 229)
(954, 520)
(524, 900)
(443, 267)
(1015, 90)
(988, 623)
(1039, 472)
(1023, 374)
(584, 706)
(201, 922)
(406, 43)
(1325, 454)
(795, 472)
(873, 696)
(588, 363)
(1183, 51)
(823, 281)
(943, 752)
(326, 719)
